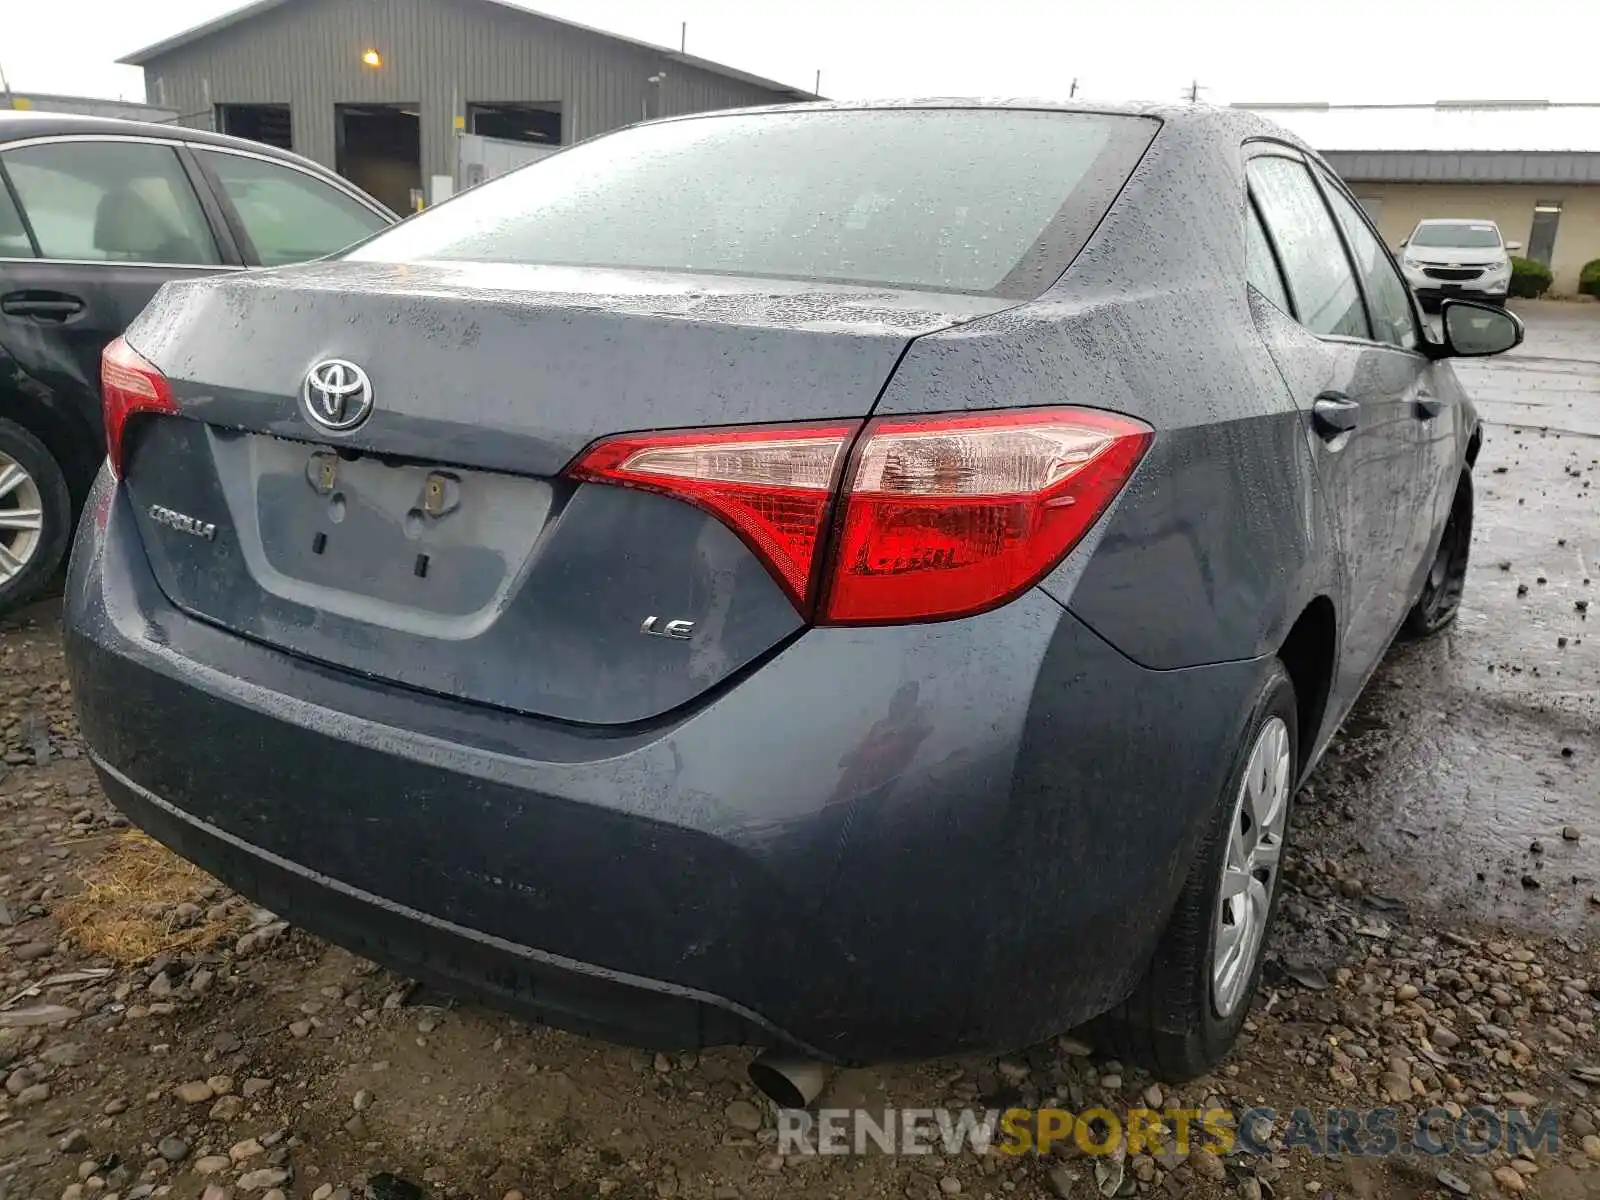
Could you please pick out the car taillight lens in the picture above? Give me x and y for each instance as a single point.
(948, 516)
(772, 486)
(938, 517)
(129, 384)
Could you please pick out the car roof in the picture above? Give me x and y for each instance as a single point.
(21, 126)
(1199, 120)
(1456, 221)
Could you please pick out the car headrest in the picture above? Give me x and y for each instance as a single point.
(128, 225)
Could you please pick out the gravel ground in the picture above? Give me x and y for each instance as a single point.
(1437, 948)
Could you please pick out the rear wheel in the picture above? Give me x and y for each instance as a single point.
(1187, 1011)
(1440, 602)
(35, 515)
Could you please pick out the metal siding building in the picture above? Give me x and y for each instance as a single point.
(439, 56)
(1487, 166)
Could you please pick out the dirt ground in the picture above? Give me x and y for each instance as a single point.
(1437, 947)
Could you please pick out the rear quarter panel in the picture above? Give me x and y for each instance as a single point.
(1215, 547)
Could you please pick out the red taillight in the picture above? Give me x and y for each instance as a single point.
(129, 384)
(940, 516)
(951, 515)
(772, 486)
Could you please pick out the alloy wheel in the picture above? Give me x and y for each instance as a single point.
(21, 518)
(1250, 866)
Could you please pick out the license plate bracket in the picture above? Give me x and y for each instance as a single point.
(360, 533)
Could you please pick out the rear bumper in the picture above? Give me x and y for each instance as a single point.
(575, 995)
(881, 843)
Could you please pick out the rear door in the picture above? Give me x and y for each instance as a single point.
(1434, 432)
(106, 222)
(281, 214)
(1358, 393)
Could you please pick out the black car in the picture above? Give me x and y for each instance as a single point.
(867, 580)
(95, 215)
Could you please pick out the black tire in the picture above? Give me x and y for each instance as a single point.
(1440, 602)
(28, 452)
(1169, 1025)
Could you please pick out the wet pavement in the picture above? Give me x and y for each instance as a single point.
(1472, 761)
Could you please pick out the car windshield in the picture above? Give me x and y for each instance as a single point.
(1474, 235)
(969, 200)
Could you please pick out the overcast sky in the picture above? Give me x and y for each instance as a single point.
(1253, 50)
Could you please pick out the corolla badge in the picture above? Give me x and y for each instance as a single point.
(183, 522)
(337, 395)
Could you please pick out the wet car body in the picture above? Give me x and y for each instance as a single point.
(859, 841)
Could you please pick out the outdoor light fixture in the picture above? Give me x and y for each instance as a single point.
(372, 58)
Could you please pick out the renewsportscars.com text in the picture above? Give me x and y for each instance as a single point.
(1354, 1132)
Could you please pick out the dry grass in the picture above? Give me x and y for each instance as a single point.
(127, 908)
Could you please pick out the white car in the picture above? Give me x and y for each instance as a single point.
(1444, 258)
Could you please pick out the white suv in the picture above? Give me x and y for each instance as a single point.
(1444, 258)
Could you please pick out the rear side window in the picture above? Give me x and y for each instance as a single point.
(289, 216)
(1326, 298)
(1262, 268)
(1390, 299)
(14, 241)
(970, 200)
(110, 202)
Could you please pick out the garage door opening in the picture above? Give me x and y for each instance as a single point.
(539, 124)
(380, 151)
(268, 123)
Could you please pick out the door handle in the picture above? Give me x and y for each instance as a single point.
(42, 306)
(1429, 406)
(1334, 414)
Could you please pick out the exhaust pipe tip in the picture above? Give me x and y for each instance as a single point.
(788, 1082)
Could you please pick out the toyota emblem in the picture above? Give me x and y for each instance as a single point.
(337, 395)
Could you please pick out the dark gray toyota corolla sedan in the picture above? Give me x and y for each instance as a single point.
(866, 580)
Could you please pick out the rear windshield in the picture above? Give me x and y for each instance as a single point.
(1476, 236)
(989, 201)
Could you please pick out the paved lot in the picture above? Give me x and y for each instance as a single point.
(1416, 962)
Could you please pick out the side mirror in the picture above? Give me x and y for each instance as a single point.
(1474, 330)
(1513, 247)
(1404, 242)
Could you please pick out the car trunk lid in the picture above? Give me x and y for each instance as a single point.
(436, 544)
